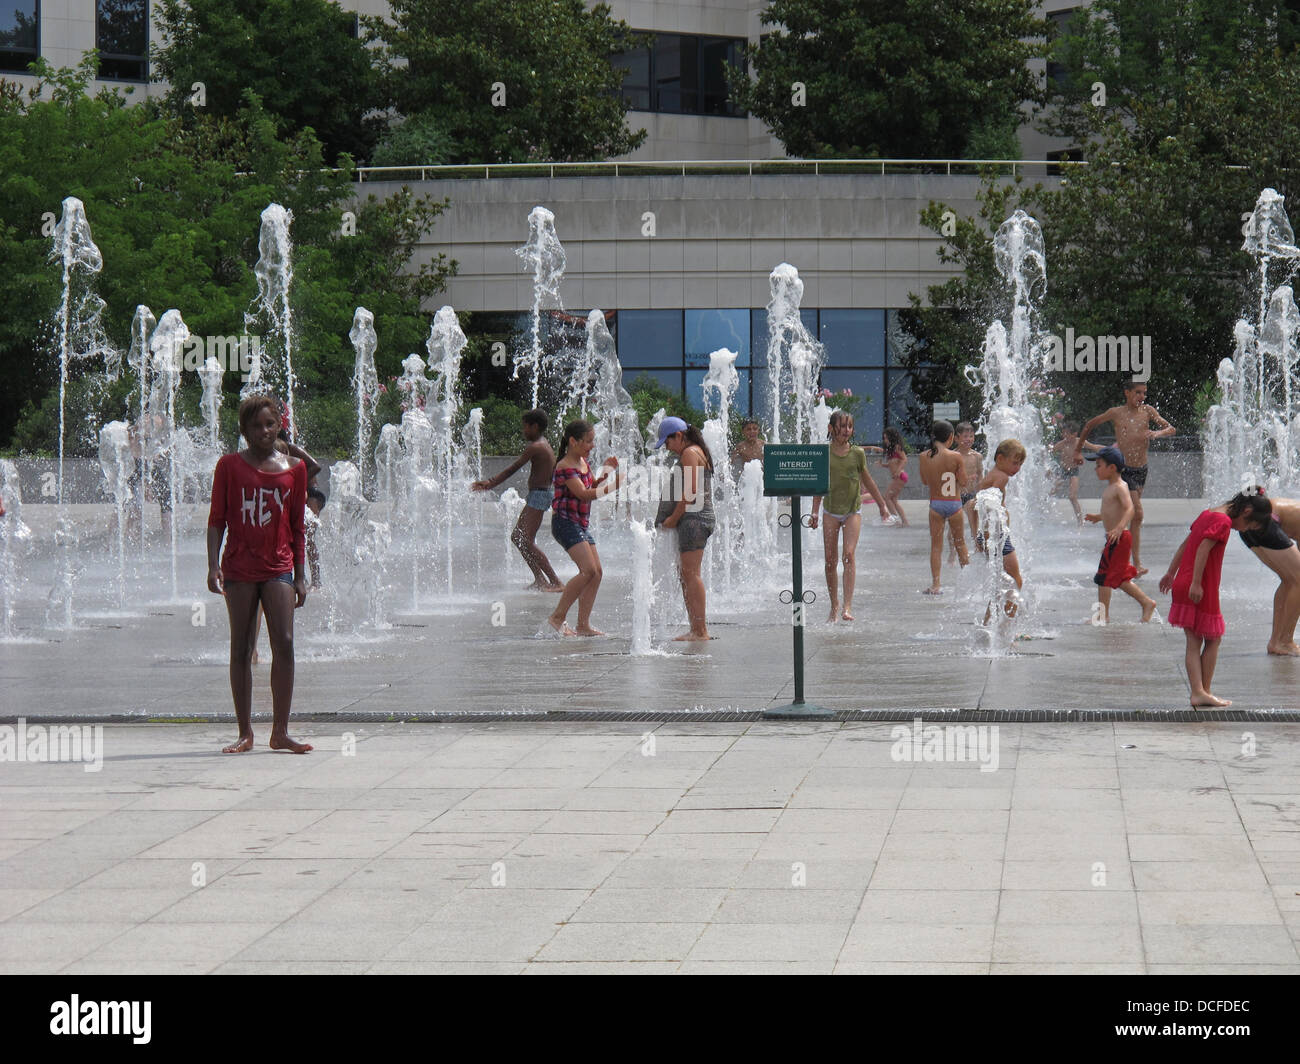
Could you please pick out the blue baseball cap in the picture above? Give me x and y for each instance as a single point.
(1109, 454)
(667, 427)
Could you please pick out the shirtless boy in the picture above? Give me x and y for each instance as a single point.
(1007, 460)
(943, 471)
(749, 449)
(1273, 545)
(1066, 473)
(538, 452)
(1115, 569)
(1133, 434)
(974, 470)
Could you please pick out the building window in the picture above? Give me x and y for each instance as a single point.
(19, 39)
(122, 37)
(680, 73)
(1058, 26)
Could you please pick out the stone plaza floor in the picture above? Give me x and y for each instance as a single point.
(1127, 842)
(604, 847)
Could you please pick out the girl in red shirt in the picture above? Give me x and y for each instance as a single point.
(258, 496)
(1193, 577)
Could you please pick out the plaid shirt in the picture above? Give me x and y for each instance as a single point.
(566, 505)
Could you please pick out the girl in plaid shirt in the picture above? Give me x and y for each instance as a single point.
(570, 509)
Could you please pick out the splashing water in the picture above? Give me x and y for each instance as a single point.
(365, 384)
(1252, 434)
(643, 586)
(15, 537)
(274, 279)
(160, 436)
(80, 314)
(115, 463)
(719, 387)
(543, 254)
(1011, 368)
(794, 358)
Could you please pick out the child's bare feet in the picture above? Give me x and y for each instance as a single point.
(1142, 570)
(537, 585)
(835, 613)
(1287, 649)
(1209, 701)
(586, 629)
(560, 627)
(1149, 611)
(281, 741)
(693, 637)
(847, 613)
(241, 745)
(932, 591)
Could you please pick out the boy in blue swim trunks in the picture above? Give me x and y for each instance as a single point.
(1007, 460)
(537, 451)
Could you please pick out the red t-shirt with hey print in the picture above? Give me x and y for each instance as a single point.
(262, 514)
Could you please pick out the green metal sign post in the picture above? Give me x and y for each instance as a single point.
(795, 470)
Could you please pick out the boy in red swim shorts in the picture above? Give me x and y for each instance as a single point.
(1116, 570)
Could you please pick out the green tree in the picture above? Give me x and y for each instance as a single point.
(1149, 57)
(892, 78)
(301, 57)
(545, 63)
(1143, 240)
(178, 227)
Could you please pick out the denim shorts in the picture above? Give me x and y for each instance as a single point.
(568, 534)
(539, 498)
(693, 531)
(284, 578)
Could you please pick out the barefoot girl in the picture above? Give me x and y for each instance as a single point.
(849, 478)
(895, 458)
(1194, 578)
(688, 508)
(258, 498)
(575, 491)
(943, 471)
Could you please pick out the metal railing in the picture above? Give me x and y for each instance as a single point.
(707, 167)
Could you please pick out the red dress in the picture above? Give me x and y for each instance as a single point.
(1202, 618)
(262, 514)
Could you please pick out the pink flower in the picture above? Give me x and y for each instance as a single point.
(848, 393)
(383, 390)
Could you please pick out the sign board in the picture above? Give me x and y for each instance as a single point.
(947, 412)
(796, 468)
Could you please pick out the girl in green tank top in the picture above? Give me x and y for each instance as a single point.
(849, 477)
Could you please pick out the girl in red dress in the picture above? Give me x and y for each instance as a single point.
(258, 497)
(1194, 578)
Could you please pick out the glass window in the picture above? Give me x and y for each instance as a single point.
(668, 378)
(853, 337)
(649, 338)
(758, 323)
(906, 412)
(18, 34)
(709, 330)
(636, 85)
(1058, 24)
(122, 37)
(869, 417)
(715, 54)
(676, 73)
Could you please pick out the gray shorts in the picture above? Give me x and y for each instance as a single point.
(539, 498)
(693, 531)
